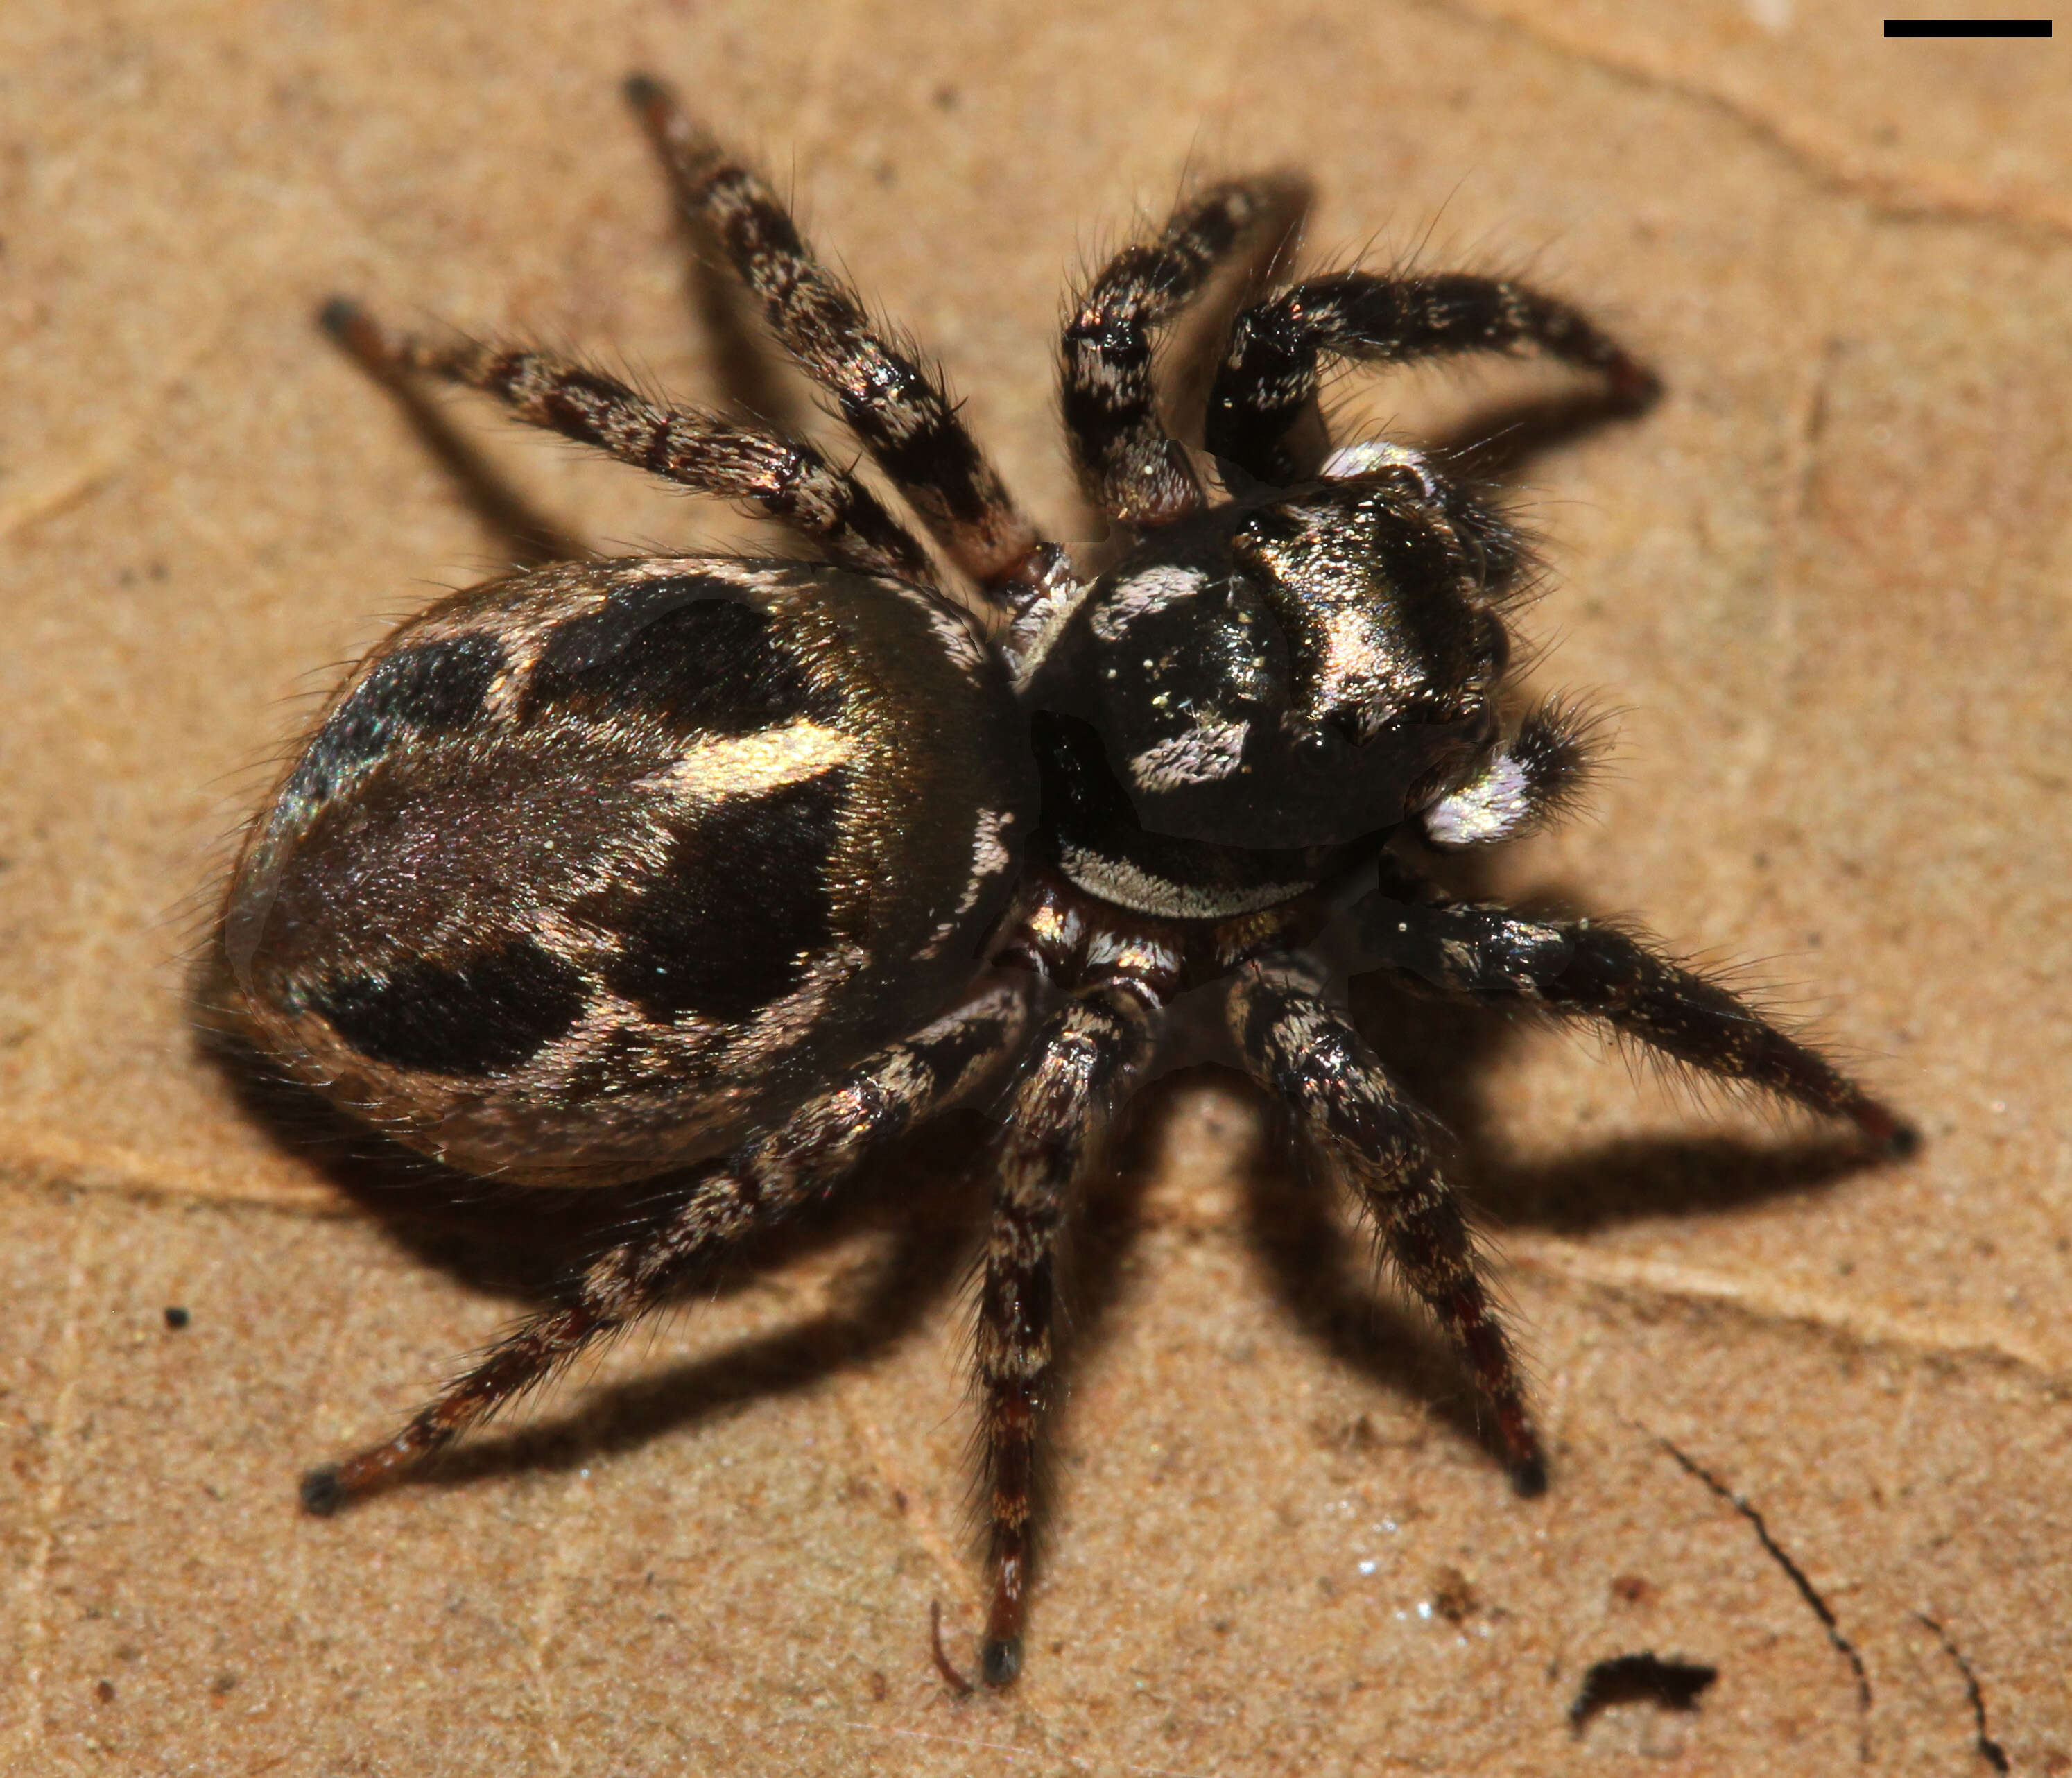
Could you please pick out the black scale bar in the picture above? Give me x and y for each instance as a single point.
(1967, 28)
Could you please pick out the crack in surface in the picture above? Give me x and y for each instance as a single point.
(45, 1161)
(1806, 1590)
(1890, 197)
(1989, 1750)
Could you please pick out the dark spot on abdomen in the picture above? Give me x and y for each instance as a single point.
(740, 906)
(432, 688)
(687, 651)
(491, 1011)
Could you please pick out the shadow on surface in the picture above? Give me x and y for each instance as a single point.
(920, 1209)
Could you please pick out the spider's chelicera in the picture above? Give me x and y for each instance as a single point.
(733, 869)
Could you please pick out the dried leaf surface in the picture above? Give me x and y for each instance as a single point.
(1826, 582)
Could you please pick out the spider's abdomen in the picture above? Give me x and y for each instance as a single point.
(589, 870)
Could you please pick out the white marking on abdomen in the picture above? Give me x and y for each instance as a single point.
(746, 765)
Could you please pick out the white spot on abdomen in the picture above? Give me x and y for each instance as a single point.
(746, 765)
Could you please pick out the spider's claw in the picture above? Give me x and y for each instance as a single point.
(644, 92)
(323, 1490)
(1001, 1661)
(338, 316)
(1886, 1131)
(1527, 1464)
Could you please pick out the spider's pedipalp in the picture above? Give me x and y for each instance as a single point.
(766, 1179)
(1134, 471)
(1268, 381)
(774, 476)
(1529, 781)
(1306, 1053)
(895, 407)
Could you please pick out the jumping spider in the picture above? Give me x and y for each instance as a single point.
(735, 868)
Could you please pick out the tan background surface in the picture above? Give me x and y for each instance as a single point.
(1827, 581)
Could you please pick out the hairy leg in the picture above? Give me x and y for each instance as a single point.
(897, 409)
(1132, 470)
(774, 476)
(1083, 1065)
(1584, 968)
(765, 1180)
(1269, 378)
(1306, 1052)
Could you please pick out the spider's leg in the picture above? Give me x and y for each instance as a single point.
(772, 475)
(1584, 968)
(1269, 376)
(1089, 1055)
(1132, 470)
(894, 405)
(1306, 1052)
(765, 1180)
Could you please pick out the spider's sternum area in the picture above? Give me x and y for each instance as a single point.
(1074, 940)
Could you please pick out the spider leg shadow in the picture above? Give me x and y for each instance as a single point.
(1442, 1051)
(1326, 1278)
(915, 1212)
(531, 538)
(1499, 441)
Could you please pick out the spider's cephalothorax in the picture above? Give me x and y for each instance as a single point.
(733, 869)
